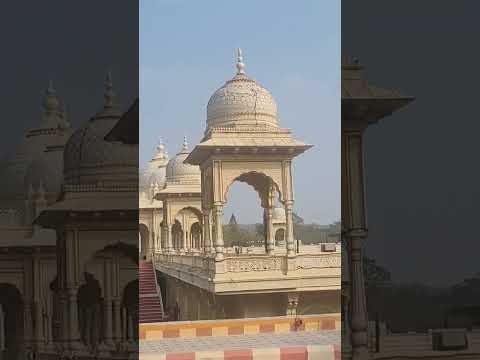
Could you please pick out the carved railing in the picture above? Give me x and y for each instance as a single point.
(320, 261)
(9, 217)
(249, 263)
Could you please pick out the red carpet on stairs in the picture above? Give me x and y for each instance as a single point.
(151, 309)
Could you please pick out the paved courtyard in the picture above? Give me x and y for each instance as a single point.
(237, 342)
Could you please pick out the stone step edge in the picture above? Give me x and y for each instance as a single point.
(308, 352)
(148, 295)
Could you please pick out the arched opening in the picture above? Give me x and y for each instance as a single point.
(55, 311)
(196, 235)
(163, 242)
(144, 240)
(190, 236)
(130, 316)
(248, 200)
(11, 322)
(280, 237)
(99, 297)
(89, 300)
(177, 235)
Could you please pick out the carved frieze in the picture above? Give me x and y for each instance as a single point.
(318, 261)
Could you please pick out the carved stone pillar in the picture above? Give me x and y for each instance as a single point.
(124, 325)
(50, 320)
(269, 235)
(39, 335)
(168, 238)
(154, 242)
(27, 321)
(73, 330)
(218, 237)
(117, 313)
(185, 246)
(207, 241)
(107, 304)
(130, 332)
(358, 307)
(2, 329)
(354, 218)
(289, 238)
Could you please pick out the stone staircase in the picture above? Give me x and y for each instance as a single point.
(150, 298)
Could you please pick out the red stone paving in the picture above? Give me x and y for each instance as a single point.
(294, 353)
(328, 324)
(265, 328)
(181, 356)
(235, 330)
(238, 355)
(204, 331)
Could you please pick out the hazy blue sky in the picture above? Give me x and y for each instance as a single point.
(187, 51)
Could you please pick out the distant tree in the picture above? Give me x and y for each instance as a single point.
(374, 273)
(260, 229)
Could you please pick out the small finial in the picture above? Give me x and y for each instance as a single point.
(185, 143)
(161, 153)
(50, 89)
(160, 142)
(50, 101)
(109, 94)
(240, 64)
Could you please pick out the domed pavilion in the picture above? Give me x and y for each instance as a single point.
(181, 197)
(96, 221)
(244, 142)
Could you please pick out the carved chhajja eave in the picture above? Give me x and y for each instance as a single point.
(364, 102)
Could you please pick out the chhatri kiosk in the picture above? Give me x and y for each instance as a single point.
(244, 142)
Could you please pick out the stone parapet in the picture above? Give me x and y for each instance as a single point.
(254, 273)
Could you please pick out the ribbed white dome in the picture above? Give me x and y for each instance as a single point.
(25, 164)
(90, 159)
(155, 171)
(241, 102)
(180, 172)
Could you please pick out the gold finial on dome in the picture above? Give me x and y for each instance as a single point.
(240, 64)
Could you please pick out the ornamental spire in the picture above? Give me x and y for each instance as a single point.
(185, 144)
(51, 107)
(240, 64)
(161, 152)
(50, 89)
(109, 94)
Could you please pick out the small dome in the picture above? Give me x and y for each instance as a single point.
(180, 172)
(155, 171)
(241, 102)
(90, 159)
(12, 193)
(13, 189)
(46, 171)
